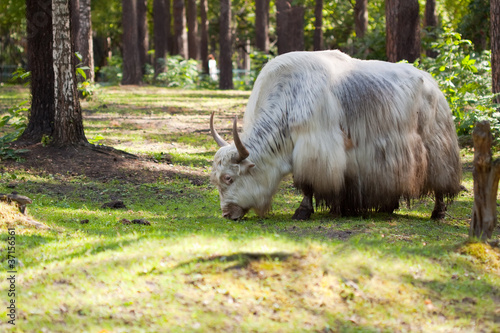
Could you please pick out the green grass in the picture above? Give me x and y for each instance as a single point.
(192, 271)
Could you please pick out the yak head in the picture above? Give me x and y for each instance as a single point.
(237, 178)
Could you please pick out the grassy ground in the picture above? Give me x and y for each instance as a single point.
(192, 271)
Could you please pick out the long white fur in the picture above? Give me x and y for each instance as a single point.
(302, 107)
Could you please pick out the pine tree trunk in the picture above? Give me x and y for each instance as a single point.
(39, 38)
(160, 35)
(226, 66)
(290, 26)
(282, 10)
(84, 40)
(318, 26)
(495, 45)
(204, 35)
(402, 30)
(132, 72)
(430, 23)
(142, 33)
(192, 24)
(68, 122)
(361, 17)
(262, 25)
(486, 174)
(180, 33)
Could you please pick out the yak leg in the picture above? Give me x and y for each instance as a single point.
(390, 208)
(306, 207)
(439, 207)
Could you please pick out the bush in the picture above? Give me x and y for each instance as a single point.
(465, 79)
(179, 73)
(112, 72)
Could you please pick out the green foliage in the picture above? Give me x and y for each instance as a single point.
(112, 72)
(465, 79)
(475, 24)
(85, 87)
(179, 73)
(15, 120)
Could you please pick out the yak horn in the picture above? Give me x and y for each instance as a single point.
(239, 145)
(220, 141)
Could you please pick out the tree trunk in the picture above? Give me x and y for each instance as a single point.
(225, 63)
(75, 22)
(290, 26)
(160, 35)
(84, 39)
(192, 24)
(296, 28)
(282, 9)
(68, 122)
(402, 30)
(40, 60)
(180, 33)
(361, 17)
(495, 45)
(430, 24)
(204, 35)
(486, 174)
(132, 72)
(262, 25)
(142, 33)
(318, 26)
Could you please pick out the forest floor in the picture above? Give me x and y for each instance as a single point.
(88, 268)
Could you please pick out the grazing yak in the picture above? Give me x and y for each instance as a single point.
(356, 135)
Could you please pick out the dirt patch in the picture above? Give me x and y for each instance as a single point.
(321, 232)
(99, 163)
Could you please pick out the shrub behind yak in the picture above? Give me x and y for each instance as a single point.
(357, 136)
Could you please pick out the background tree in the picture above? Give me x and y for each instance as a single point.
(495, 46)
(262, 25)
(132, 72)
(430, 24)
(192, 24)
(142, 33)
(204, 35)
(180, 33)
(361, 17)
(40, 63)
(290, 26)
(402, 30)
(225, 41)
(160, 34)
(68, 121)
(318, 25)
(84, 41)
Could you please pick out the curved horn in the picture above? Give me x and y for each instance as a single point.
(220, 141)
(239, 145)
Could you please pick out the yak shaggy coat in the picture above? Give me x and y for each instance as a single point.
(357, 135)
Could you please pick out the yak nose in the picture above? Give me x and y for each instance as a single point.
(226, 215)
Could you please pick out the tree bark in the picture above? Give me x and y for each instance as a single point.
(361, 17)
(225, 41)
(160, 35)
(180, 33)
(290, 26)
(132, 72)
(486, 174)
(282, 9)
(495, 45)
(40, 60)
(84, 41)
(192, 24)
(262, 25)
(142, 33)
(68, 122)
(204, 35)
(402, 30)
(318, 26)
(430, 24)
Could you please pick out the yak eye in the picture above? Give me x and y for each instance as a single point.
(227, 179)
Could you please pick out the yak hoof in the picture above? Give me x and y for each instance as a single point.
(438, 214)
(302, 214)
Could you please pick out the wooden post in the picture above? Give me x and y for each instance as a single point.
(486, 174)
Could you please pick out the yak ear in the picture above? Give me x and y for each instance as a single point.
(246, 166)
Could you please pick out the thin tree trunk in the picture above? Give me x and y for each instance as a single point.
(204, 35)
(160, 35)
(40, 60)
(262, 25)
(192, 24)
(75, 22)
(132, 72)
(282, 9)
(180, 33)
(402, 30)
(495, 45)
(486, 174)
(142, 33)
(318, 26)
(225, 63)
(361, 17)
(68, 122)
(430, 24)
(84, 40)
